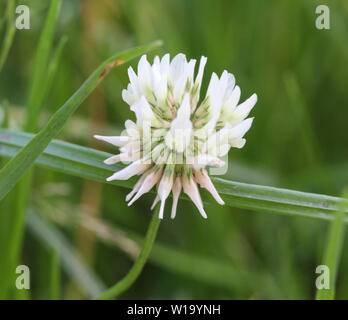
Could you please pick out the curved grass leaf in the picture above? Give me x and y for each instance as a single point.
(24, 159)
(88, 163)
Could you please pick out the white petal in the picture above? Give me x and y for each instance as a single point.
(231, 103)
(118, 141)
(243, 110)
(133, 169)
(161, 90)
(132, 129)
(179, 135)
(133, 86)
(136, 187)
(240, 129)
(144, 113)
(217, 140)
(203, 179)
(191, 189)
(238, 143)
(164, 188)
(199, 76)
(151, 179)
(113, 159)
(184, 111)
(165, 64)
(157, 199)
(177, 67)
(128, 96)
(190, 69)
(176, 192)
(230, 86)
(216, 91)
(156, 61)
(179, 89)
(204, 160)
(144, 74)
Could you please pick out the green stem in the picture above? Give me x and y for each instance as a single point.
(138, 266)
(334, 250)
(10, 32)
(55, 275)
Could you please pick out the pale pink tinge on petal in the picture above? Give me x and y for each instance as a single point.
(204, 181)
(151, 179)
(176, 193)
(113, 159)
(155, 202)
(118, 141)
(164, 188)
(133, 169)
(191, 189)
(136, 187)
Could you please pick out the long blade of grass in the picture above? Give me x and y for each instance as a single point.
(53, 66)
(39, 83)
(300, 111)
(50, 236)
(333, 250)
(37, 93)
(10, 32)
(88, 163)
(5, 119)
(17, 166)
(54, 275)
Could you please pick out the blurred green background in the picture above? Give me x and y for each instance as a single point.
(299, 141)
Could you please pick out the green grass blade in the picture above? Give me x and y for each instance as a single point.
(23, 188)
(10, 32)
(54, 275)
(50, 236)
(88, 163)
(17, 166)
(39, 84)
(53, 65)
(300, 112)
(5, 118)
(333, 250)
(39, 87)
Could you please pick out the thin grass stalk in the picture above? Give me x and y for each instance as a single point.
(10, 32)
(54, 275)
(334, 250)
(133, 274)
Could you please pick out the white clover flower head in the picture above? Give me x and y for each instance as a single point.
(177, 137)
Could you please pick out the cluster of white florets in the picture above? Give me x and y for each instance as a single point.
(176, 137)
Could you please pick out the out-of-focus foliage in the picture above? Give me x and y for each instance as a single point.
(298, 141)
